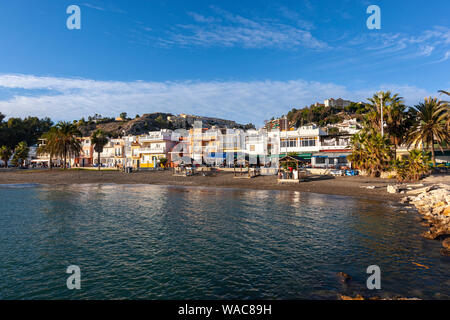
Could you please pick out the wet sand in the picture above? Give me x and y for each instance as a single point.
(346, 186)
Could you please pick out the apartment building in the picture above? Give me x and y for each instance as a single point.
(153, 147)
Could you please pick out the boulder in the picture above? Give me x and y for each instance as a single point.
(392, 189)
(446, 243)
(343, 277)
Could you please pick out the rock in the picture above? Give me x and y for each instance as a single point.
(358, 297)
(446, 243)
(343, 277)
(414, 185)
(446, 211)
(392, 189)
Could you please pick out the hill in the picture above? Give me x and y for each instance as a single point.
(153, 122)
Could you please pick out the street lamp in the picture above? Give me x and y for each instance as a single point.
(380, 95)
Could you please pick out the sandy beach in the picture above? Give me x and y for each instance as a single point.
(346, 186)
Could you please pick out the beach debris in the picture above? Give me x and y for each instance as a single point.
(343, 277)
(420, 265)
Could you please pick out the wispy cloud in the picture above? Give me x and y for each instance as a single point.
(251, 101)
(226, 29)
(430, 42)
(110, 8)
(94, 7)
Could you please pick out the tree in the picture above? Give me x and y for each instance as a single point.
(445, 92)
(123, 115)
(430, 125)
(20, 153)
(99, 139)
(5, 154)
(370, 152)
(50, 146)
(414, 166)
(162, 162)
(394, 117)
(62, 141)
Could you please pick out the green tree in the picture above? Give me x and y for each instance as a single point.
(99, 139)
(50, 145)
(412, 168)
(370, 152)
(62, 141)
(431, 119)
(123, 115)
(21, 152)
(5, 154)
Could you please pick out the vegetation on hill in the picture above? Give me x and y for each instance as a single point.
(322, 115)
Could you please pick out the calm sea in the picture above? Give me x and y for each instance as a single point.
(161, 242)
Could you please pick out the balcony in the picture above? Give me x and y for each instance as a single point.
(153, 150)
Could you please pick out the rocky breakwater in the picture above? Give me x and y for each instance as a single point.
(433, 203)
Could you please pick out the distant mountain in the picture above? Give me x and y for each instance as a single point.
(153, 122)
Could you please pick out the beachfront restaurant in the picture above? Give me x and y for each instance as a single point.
(330, 160)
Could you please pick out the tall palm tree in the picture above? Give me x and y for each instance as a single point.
(430, 125)
(69, 145)
(50, 147)
(5, 154)
(394, 111)
(62, 141)
(99, 139)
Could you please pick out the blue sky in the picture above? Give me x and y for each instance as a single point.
(243, 60)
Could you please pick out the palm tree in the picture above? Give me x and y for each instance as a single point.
(411, 169)
(5, 154)
(430, 125)
(50, 147)
(62, 141)
(21, 152)
(370, 152)
(445, 92)
(99, 139)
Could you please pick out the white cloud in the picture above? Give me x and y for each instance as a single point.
(252, 101)
(230, 30)
(428, 43)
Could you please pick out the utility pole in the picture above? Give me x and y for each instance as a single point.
(380, 95)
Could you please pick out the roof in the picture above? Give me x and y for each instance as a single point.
(292, 158)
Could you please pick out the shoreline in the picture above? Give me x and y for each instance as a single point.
(355, 186)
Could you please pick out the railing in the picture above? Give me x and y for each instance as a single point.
(152, 150)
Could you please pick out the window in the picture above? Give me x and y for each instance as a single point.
(307, 142)
(283, 143)
(342, 160)
(320, 160)
(292, 143)
(118, 152)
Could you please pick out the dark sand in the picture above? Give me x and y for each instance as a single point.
(346, 186)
